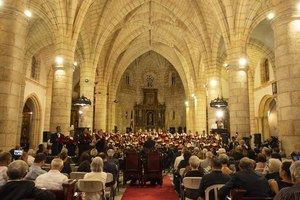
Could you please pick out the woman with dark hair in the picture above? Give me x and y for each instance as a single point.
(185, 162)
(84, 163)
(67, 167)
(261, 163)
(285, 178)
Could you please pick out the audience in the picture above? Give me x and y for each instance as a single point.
(214, 177)
(17, 188)
(111, 158)
(96, 174)
(261, 163)
(293, 192)
(193, 170)
(207, 162)
(273, 169)
(178, 160)
(185, 162)
(67, 167)
(53, 179)
(109, 167)
(247, 179)
(224, 159)
(30, 159)
(285, 179)
(5, 159)
(84, 162)
(36, 168)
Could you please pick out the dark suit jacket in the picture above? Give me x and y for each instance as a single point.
(16, 190)
(249, 180)
(215, 177)
(149, 144)
(111, 168)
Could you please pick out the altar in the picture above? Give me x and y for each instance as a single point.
(150, 114)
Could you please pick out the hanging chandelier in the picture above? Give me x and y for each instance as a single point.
(82, 101)
(218, 103)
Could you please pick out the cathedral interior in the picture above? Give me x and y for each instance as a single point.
(149, 65)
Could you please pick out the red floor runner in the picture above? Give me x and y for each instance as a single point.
(164, 192)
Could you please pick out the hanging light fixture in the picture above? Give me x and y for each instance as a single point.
(218, 103)
(82, 101)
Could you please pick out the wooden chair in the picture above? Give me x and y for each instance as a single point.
(132, 167)
(77, 175)
(110, 190)
(215, 189)
(91, 189)
(192, 183)
(153, 168)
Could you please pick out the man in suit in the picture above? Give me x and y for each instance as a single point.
(247, 179)
(109, 167)
(150, 143)
(215, 177)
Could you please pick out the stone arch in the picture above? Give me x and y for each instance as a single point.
(33, 102)
(266, 105)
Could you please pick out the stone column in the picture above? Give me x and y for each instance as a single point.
(200, 110)
(286, 28)
(62, 92)
(111, 112)
(12, 78)
(238, 92)
(190, 117)
(87, 79)
(100, 120)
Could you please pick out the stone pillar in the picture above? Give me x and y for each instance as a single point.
(238, 92)
(62, 92)
(190, 117)
(12, 78)
(200, 111)
(111, 112)
(87, 80)
(100, 120)
(286, 28)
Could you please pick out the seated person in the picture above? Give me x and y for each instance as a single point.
(247, 179)
(84, 163)
(30, 159)
(35, 170)
(110, 157)
(214, 177)
(109, 167)
(67, 167)
(285, 178)
(185, 162)
(224, 159)
(53, 179)
(16, 188)
(193, 171)
(97, 174)
(207, 162)
(261, 163)
(5, 159)
(291, 193)
(273, 169)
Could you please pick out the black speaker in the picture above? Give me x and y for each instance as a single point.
(257, 139)
(179, 129)
(46, 136)
(225, 137)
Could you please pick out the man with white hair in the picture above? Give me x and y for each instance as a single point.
(53, 179)
(291, 193)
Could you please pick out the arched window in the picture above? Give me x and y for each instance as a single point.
(35, 68)
(265, 72)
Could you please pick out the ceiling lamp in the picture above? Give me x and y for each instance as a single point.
(82, 101)
(28, 13)
(218, 103)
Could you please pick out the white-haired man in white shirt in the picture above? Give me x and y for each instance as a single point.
(53, 179)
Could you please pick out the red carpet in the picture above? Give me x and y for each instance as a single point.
(164, 192)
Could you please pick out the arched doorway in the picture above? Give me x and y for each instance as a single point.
(268, 117)
(31, 123)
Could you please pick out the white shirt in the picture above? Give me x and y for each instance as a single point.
(177, 161)
(51, 180)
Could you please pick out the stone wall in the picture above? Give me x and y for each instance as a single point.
(135, 78)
